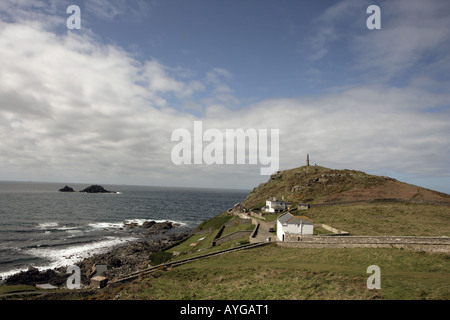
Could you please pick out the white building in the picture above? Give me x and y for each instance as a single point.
(288, 224)
(275, 205)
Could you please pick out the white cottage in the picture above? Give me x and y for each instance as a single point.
(275, 205)
(288, 224)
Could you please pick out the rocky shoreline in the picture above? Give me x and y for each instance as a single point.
(119, 260)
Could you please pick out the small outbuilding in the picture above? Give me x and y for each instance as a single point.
(303, 206)
(275, 205)
(288, 225)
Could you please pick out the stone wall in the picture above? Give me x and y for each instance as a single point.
(217, 236)
(430, 244)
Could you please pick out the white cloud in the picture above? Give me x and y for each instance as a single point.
(72, 108)
(414, 38)
(159, 81)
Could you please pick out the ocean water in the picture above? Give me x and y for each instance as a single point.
(42, 227)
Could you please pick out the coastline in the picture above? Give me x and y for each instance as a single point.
(120, 259)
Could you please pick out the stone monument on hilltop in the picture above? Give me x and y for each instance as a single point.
(307, 159)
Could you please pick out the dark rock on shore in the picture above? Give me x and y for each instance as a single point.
(33, 276)
(96, 189)
(148, 224)
(66, 189)
(126, 259)
(157, 225)
(120, 261)
(152, 225)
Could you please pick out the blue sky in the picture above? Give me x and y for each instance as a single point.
(264, 43)
(99, 104)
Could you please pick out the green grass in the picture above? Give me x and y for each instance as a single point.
(160, 257)
(224, 246)
(273, 272)
(385, 219)
(213, 225)
(320, 230)
(186, 247)
(271, 217)
(240, 227)
(16, 288)
(216, 222)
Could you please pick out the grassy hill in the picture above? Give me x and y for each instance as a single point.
(272, 272)
(318, 185)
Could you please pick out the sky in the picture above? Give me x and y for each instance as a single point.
(100, 104)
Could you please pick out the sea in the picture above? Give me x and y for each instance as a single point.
(45, 228)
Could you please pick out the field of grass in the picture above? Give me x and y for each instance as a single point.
(385, 219)
(239, 227)
(215, 222)
(272, 272)
(16, 288)
(194, 243)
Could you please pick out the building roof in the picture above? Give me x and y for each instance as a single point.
(288, 218)
(299, 220)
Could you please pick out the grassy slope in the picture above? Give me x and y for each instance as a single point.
(317, 184)
(385, 219)
(272, 272)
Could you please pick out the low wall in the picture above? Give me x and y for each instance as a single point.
(430, 244)
(217, 236)
(255, 231)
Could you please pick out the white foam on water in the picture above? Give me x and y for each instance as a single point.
(67, 256)
(48, 225)
(65, 228)
(72, 254)
(118, 225)
(106, 225)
